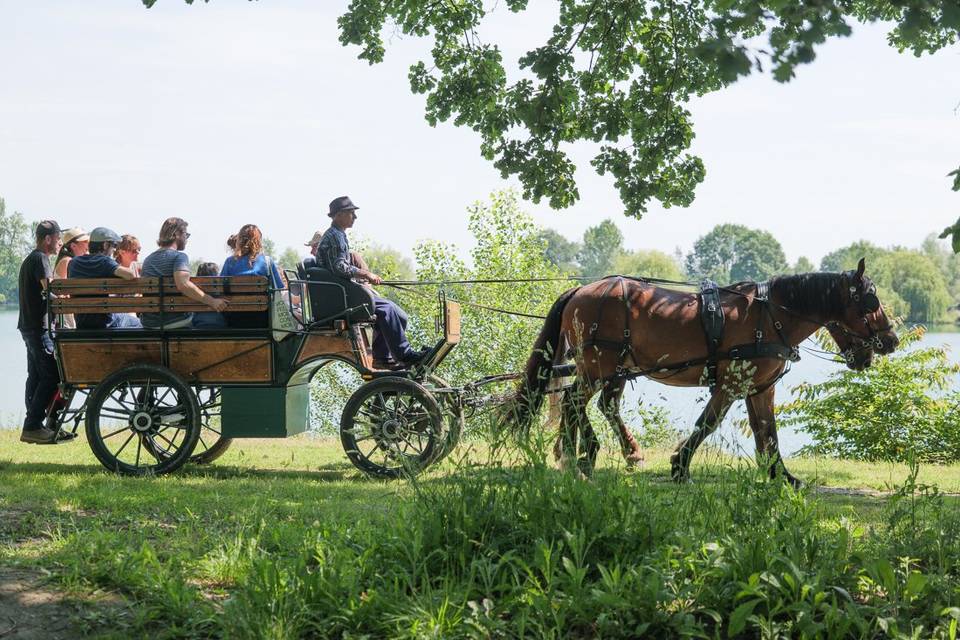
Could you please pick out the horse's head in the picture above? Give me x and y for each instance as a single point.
(863, 328)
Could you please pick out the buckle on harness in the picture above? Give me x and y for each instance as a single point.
(593, 328)
(626, 333)
(759, 335)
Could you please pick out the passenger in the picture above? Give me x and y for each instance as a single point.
(248, 259)
(127, 253)
(170, 260)
(99, 264)
(42, 373)
(75, 243)
(311, 261)
(208, 319)
(390, 347)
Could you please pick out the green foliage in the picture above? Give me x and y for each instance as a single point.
(269, 247)
(846, 258)
(388, 263)
(954, 229)
(508, 246)
(561, 253)
(291, 544)
(15, 243)
(653, 264)
(527, 553)
(916, 279)
(917, 285)
(898, 409)
(734, 253)
(288, 259)
(804, 265)
(616, 74)
(600, 247)
(946, 261)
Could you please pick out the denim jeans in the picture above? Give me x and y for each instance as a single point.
(42, 376)
(391, 336)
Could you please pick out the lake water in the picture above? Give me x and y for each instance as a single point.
(683, 404)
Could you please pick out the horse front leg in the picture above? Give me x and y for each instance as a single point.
(610, 396)
(707, 423)
(764, 427)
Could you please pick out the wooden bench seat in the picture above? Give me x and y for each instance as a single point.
(155, 295)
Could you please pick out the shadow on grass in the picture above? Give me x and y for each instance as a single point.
(328, 472)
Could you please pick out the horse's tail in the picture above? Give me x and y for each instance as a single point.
(529, 396)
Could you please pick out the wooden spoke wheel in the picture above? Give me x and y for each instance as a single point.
(143, 420)
(211, 443)
(392, 427)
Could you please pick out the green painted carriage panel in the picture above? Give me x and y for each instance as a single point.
(264, 412)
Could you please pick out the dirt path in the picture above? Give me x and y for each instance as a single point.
(30, 611)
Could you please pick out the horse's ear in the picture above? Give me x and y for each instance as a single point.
(861, 267)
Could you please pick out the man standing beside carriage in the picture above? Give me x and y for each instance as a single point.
(43, 376)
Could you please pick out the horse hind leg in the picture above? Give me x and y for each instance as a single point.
(574, 419)
(707, 423)
(610, 397)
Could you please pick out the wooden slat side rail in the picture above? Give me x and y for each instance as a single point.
(151, 304)
(216, 286)
(142, 295)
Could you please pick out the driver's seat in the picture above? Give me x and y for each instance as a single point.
(335, 298)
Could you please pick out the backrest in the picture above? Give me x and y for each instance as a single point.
(155, 295)
(335, 298)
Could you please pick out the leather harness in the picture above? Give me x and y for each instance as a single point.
(712, 318)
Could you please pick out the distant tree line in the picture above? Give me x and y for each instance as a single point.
(920, 285)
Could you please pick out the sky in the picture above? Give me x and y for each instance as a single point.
(234, 112)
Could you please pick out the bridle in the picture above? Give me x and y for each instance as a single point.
(864, 298)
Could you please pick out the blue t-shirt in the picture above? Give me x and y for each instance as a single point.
(163, 263)
(234, 266)
(93, 266)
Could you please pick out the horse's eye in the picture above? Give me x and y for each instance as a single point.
(871, 302)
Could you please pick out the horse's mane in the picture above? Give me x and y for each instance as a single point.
(810, 293)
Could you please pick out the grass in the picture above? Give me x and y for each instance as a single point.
(282, 539)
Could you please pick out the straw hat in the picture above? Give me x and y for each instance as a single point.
(74, 234)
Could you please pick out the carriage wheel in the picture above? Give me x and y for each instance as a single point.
(143, 420)
(211, 444)
(391, 427)
(454, 417)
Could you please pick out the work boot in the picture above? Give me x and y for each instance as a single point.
(39, 436)
(415, 357)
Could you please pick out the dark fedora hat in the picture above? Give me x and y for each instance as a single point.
(342, 203)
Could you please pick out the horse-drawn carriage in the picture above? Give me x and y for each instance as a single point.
(153, 400)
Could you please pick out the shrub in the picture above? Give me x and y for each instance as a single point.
(897, 409)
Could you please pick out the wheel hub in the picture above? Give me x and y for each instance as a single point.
(141, 421)
(390, 430)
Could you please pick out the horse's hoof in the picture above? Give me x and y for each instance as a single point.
(796, 483)
(634, 461)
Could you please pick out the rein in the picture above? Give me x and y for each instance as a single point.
(757, 349)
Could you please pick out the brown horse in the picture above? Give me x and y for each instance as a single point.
(620, 328)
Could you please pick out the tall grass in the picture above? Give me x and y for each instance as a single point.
(510, 550)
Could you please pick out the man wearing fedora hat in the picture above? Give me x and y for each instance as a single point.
(333, 253)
